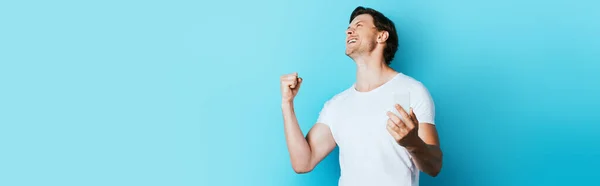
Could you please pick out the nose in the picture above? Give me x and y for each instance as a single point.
(349, 31)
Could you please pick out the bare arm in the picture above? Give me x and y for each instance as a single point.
(420, 139)
(427, 154)
(305, 152)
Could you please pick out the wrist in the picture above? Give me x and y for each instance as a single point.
(286, 104)
(418, 146)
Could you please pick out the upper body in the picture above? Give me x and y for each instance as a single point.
(383, 124)
(369, 155)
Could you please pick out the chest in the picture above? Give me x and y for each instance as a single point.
(363, 122)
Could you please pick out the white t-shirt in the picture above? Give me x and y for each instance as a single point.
(368, 153)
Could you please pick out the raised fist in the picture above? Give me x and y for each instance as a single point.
(290, 84)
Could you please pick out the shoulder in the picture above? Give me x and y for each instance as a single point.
(412, 84)
(420, 99)
(330, 108)
(338, 98)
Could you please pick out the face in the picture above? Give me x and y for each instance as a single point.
(361, 36)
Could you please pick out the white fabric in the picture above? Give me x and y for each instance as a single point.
(368, 153)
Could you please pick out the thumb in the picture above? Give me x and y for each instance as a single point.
(299, 83)
(414, 116)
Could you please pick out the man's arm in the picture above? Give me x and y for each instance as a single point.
(420, 139)
(427, 154)
(305, 152)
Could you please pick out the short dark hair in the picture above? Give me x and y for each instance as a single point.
(382, 23)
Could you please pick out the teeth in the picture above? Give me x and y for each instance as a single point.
(352, 41)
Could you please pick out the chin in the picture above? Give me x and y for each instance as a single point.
(351, 54)
(349, 51)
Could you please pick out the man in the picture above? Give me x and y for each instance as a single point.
(383, 124)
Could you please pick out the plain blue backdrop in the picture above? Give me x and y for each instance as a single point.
(187, 92)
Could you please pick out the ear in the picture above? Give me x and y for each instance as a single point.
(382, 36)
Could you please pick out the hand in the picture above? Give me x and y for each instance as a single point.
(405, 130)
(290, 84)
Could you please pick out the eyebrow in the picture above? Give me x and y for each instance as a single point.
(359, 21)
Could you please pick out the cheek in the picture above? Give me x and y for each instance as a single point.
(368, 38)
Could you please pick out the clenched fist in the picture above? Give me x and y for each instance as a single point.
(290, 84)
(405, 130)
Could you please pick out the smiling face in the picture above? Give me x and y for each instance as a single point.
(371, 35)
(361, 35)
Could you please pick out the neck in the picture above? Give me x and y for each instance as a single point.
(372, 72)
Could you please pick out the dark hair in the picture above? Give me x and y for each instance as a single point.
(382, 23)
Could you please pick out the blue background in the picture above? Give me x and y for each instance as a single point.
(187, 92)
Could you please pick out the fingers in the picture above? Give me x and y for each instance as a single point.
(299, 82)
(294, 81)
(405, 117)
(291, 76)
(395, 119)
(290, 80)
(287, 84)
(393, 130)
(400, 128)
(396, 124)
(414, 117)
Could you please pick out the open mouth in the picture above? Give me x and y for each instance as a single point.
(350, 41)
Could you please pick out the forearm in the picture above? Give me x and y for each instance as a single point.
(298, 147)
(428, 158)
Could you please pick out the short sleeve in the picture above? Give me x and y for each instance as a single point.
(325, 115)
(422, 103)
